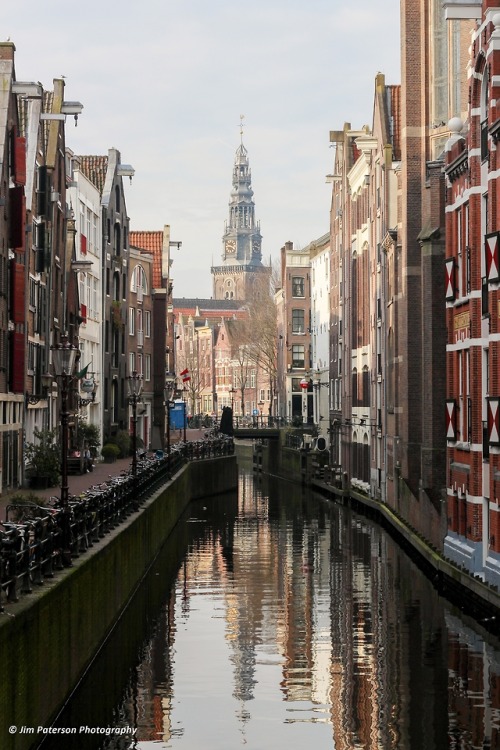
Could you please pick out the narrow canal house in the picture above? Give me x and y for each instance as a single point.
(473, 307)
(40, 295)
(13, 270)
(157, 319)
(107, 173)
(363, 227)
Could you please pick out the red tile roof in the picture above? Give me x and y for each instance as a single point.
(94, 168)
(151, 242)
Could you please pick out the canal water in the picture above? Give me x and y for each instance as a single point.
(276, 619)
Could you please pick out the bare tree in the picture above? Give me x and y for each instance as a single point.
(189, 360)
(263, 331)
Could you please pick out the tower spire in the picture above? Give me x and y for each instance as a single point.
(242, 117)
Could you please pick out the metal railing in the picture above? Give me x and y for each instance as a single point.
(34, 538)
(263, 421)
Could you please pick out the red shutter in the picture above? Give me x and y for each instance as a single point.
(17, 210)
(83, 313)
(17, 362)
(20, 161)
(17, 278)
(83, 244)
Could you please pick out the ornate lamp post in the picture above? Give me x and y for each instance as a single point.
(63, 358)
(135, 390)
(232, 391)
(169, 393)
(261, 406)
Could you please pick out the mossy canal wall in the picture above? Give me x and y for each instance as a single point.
(49, 637)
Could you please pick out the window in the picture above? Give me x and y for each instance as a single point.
(147, 323)
(298, 317)
(131, 321)
(298, 286)
(298, 355)
(139, 282)
(131, 362)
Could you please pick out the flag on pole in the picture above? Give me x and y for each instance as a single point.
(83, 372)
(185, 375)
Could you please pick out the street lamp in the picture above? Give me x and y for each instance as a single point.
(232, 391)
(169, 393)
(261, 406)
(63, 359)
(134, 389)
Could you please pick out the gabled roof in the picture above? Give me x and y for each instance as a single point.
(95, 168)
(151, 242)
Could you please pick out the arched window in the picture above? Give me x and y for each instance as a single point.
(139, 282)
(484, 113)
(116, 286)
(366, 387)
(117, 239)
(355, 387)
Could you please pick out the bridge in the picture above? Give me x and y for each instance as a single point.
(261, 428)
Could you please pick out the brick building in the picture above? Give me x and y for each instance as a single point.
(472, 294)
(293, 303)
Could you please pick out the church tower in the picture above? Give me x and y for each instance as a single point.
(242, 240)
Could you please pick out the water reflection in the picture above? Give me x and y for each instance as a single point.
(292, 623)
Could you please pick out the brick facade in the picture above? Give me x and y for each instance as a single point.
(472, 289)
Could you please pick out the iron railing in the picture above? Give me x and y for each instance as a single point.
(34, 538)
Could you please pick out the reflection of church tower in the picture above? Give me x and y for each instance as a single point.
(242, 240)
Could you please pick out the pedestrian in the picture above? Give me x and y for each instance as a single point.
(87, 458)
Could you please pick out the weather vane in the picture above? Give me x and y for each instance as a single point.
(242, 117)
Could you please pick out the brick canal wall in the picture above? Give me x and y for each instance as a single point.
(49, 637)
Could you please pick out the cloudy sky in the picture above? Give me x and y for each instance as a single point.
(165, 82)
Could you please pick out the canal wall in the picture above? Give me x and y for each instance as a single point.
(49, 638)
(469, 592)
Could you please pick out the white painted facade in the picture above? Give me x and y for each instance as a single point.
(320, 330)
(85, 201)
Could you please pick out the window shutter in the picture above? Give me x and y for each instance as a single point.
(17, 292)
(493, 420)
(17, 203)
(17, 362)
(451, 419)
(450, 285)
(20, 160)
(491, 257)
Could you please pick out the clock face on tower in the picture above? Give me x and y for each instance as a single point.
(256, 248)
(230, 247)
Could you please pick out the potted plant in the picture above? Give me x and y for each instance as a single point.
(88, 435)
(110, 453)
(43, 458)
